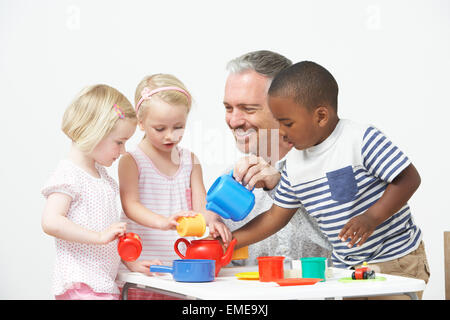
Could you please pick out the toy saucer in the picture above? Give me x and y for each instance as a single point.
(247, 275)
(297, 281)
(349, 280)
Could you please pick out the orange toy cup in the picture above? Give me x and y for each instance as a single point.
(270, 268)
(130, 246)
(240, 254)
(191, 226)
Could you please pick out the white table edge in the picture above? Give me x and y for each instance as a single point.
(164, 284)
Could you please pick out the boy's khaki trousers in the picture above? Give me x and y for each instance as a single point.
(413, 265)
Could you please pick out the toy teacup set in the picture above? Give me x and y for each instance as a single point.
(229, 199)
(204, 258)
(226, 197)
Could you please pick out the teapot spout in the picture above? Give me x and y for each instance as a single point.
(226, 258)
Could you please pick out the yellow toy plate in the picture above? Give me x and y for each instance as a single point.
(247, 275)
(350, 280)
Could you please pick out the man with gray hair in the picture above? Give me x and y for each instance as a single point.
(256, 133)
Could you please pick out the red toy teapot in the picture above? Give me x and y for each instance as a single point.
(207, 249)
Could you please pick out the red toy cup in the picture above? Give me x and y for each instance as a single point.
(130, 246)
(270, 268)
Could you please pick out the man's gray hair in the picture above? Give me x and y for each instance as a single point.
(265, 62)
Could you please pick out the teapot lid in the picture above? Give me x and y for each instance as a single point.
(205, 241)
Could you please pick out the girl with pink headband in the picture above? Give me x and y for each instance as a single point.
(160, 181)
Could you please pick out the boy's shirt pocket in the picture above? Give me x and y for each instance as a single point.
(342, 183)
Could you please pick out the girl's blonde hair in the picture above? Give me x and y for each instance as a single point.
(169, 96)
(93, 114)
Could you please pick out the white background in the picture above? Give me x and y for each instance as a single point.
(390, 58)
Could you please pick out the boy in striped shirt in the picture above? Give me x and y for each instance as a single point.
(350, 177)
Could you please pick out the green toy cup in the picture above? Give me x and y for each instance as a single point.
(314, 267)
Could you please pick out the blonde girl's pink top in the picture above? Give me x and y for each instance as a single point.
(164, 195)
(95, 206)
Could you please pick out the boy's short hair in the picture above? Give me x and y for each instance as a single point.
(308, 84)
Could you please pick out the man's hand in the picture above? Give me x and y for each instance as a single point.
(255, 172)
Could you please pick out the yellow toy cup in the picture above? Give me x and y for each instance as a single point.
(240, 254)
(191, 226)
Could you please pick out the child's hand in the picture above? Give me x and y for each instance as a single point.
(171, 222)
(114, 231)
(142, 266)
(358, 228)
(218, 228)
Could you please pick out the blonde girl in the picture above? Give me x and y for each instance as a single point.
(82, 210)
(160, 181)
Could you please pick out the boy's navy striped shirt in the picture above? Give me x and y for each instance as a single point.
(341, 178)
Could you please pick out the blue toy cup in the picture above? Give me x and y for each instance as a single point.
(229, 199)
(314, 267)
(189, 270)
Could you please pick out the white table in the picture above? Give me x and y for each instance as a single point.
(227, 287)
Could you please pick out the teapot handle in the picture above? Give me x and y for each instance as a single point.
(175, 246)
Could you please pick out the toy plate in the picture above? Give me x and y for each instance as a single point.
(349, 279)
(298, 281)
(247, 275)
